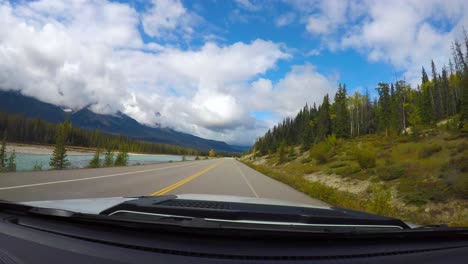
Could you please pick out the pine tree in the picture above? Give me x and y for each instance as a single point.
(384, 107)
(11, 165)
(282, 152)
(122, 159)
(109, 157)
(438, 106)
(425, 109)
(341, 126)
(3, 154)
(424, 78)
(324, 124)
(95, 161)
(59, 160)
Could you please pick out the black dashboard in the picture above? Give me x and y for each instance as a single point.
(26, 238)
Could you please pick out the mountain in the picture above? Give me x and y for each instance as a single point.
(14, 102)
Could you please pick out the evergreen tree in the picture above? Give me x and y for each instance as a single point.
(59, 160)
(282, 152)
(425, 109)
(95, 162)
(122, 158)
(3, 154)
(384, 107)
(341, 126)
(324, 124)
(109, 157)
(11, 165)
(438, 106)
(424, 78)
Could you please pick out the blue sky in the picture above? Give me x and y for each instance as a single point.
(225, 70)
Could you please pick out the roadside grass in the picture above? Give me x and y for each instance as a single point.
(412, 178)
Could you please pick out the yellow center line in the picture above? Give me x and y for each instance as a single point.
(184, 181)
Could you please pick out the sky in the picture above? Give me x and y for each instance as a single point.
(219, 69)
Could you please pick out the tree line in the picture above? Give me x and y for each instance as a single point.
(36, 131)
(397, 108)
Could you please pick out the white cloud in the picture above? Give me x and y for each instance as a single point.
(248, 5)
(166, 16)
(91, 52)
(210, 85)
(58, 61)
(285, 19)
(405, 34)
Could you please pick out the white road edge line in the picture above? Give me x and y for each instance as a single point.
(90, 178)
(246, 180)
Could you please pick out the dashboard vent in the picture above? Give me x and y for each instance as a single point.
(196, 204)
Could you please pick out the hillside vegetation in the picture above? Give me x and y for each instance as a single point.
(401, 153)
(422, 180)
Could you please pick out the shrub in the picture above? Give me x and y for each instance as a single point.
(418, 192)
(338, 164)
(390, 172)
(460, 162)
(455, 174)
(461, 187)
(462, 147)
(365, 158)
(347, 170)
(37, 166)
(320, 152)
(428, 151)
(380, 200)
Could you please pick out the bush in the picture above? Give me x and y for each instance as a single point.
(461, 187)
(390, 172)
(338, 164)
(347, 170)
(460, 162)
(462, 147)
(428, 151)
(419, 192)
(380, 201)
(455, 174)
(37, 166)
(365, 158)
(321, 152)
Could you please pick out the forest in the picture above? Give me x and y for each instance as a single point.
(397, 109)
(36, 131)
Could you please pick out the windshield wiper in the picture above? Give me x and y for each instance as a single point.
(144, 220)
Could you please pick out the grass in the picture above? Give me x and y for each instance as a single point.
(425, 177)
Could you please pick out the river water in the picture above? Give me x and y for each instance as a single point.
(26, 162)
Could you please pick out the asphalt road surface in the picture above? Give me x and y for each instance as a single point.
(218, 176)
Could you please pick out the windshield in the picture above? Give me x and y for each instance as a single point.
(354, 109)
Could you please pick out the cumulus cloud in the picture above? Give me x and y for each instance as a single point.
(285, 19)
(405, 34)
(166, 16)
(57, 61)
(303, 84)
(84, 53)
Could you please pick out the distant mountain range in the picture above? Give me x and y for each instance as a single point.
(15, 103)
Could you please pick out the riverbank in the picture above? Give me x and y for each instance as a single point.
(71, 150)
(44, 149)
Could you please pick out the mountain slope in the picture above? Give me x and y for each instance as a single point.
(14, 102)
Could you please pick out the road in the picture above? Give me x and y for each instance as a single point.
(218, 176)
